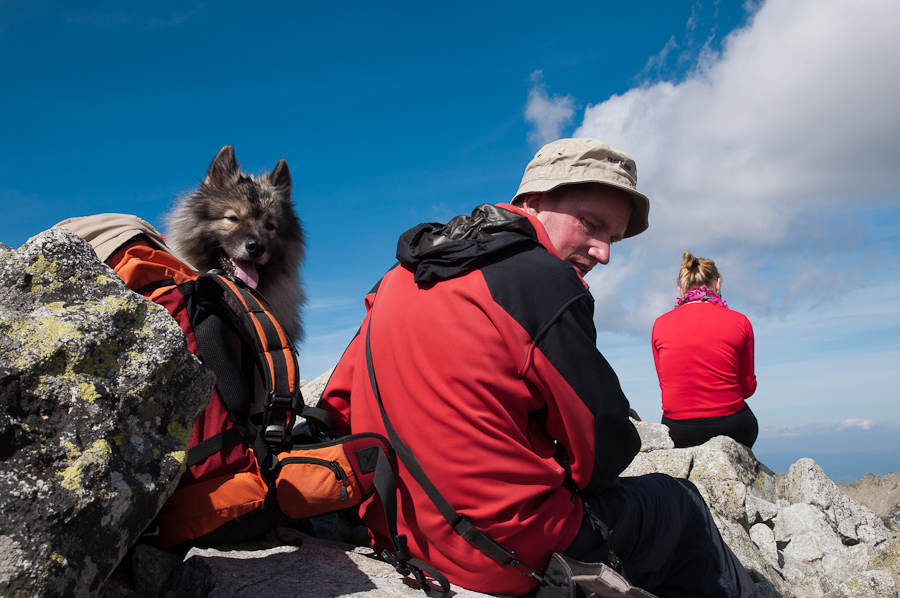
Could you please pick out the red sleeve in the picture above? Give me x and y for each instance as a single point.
(336, 397)
(748, 375)
(655, 348)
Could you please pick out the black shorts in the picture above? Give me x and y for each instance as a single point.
(742, 426)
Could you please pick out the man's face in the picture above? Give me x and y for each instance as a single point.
(582, 221)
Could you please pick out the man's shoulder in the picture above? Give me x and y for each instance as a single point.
(535, 288)
(532, 266)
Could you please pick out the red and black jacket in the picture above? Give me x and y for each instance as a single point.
(485, 350)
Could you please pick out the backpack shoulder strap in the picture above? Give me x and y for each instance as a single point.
(222, 297)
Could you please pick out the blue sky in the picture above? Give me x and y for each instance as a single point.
(766, 135)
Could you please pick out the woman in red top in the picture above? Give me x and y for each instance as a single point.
(703, 353)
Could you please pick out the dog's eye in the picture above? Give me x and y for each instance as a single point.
(231, 218)
(270, 226)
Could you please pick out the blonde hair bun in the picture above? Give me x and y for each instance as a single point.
(696, 272)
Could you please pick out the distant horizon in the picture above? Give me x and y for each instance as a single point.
(844, 456)
(838, 468)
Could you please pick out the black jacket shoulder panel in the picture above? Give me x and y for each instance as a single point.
(547, 298)
(534, 287)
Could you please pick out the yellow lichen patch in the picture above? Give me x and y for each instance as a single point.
(71, 475)
(58, 558)
(88, 392)
(78, 461)
(59, 345)
(134, 356)
(180, 432)
(183, 435)
(121, 309)
(40, 338)
(181, 458)
(887, 558)
(38, 269)
(119, 439)
(72, 451)
(101, 360)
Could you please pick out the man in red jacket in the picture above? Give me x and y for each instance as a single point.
(484, 348)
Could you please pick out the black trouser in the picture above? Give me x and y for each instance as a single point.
(742, 426)
(663, 534)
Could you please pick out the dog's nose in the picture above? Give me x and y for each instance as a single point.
(255, 248)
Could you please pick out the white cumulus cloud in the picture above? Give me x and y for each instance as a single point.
(547, 115)
(759, 158)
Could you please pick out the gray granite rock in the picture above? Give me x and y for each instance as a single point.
(870, 584)
(879, 493)
(98, 395)
(654, 437)
(807, 483)
(764, 538)
(312, 389)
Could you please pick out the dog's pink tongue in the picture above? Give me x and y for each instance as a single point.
(246, 271)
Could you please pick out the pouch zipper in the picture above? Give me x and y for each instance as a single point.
(334, 466)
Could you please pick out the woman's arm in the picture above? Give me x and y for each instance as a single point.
(747, 374)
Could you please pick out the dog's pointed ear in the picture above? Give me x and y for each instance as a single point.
(281, 176)
(222, 169)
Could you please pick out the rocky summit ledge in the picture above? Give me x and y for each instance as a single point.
(97, 396)
(288, 564)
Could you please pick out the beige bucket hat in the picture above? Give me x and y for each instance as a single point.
(586, 160)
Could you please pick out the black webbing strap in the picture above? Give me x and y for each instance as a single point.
(213, 445)
(152, 286)
(386, 488)
(318, 419)
(457, 521)
(249, 316)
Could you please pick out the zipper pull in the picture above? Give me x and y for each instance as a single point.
(340, 475)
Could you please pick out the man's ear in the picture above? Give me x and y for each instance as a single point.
(532, 203)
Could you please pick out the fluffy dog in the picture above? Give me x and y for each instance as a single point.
(247, 226)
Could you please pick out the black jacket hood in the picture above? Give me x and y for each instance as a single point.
(435, 251)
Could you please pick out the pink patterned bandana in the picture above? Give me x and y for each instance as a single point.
(701, 294)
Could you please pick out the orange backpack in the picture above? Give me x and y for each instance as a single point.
(247, 469)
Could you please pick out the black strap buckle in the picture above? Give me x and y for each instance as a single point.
(281, 400)
(524, 568)
(397, 559)
(400, 562)
(279, 408)
(598, 525)
(275, 435)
